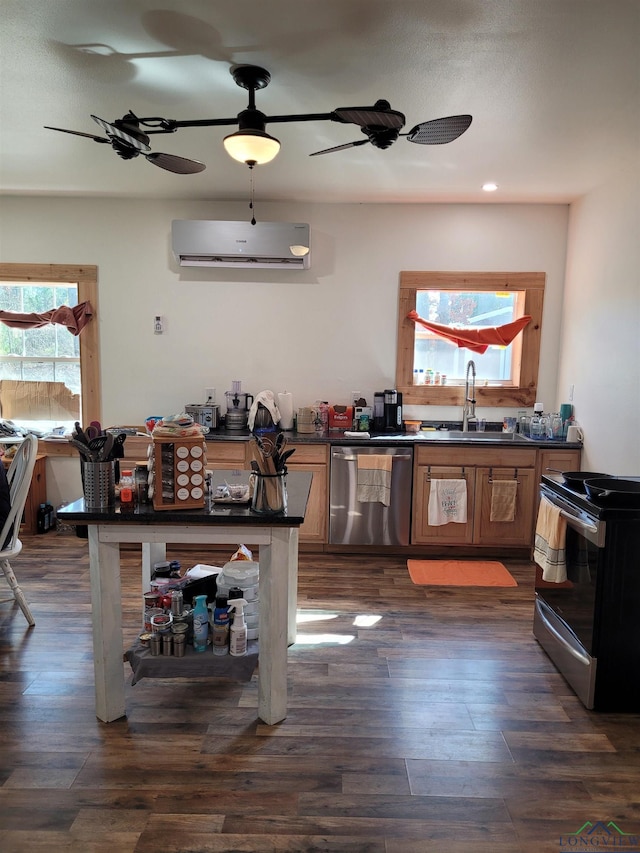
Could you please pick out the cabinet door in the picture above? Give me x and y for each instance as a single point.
(313, 458)
(452, 533)
(552, 461)
(507, 533)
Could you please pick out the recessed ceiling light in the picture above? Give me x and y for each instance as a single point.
(489, 188)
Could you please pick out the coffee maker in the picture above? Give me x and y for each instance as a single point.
(392, 410)
(238, 405)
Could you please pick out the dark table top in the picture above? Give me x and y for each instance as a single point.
(298, 484)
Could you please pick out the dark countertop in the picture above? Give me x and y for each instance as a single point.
(298, 484)
(492, 438)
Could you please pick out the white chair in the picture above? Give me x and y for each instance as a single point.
(19, 477)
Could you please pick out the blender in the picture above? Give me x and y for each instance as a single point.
(238, 405)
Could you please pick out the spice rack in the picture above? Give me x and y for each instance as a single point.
(180, 467)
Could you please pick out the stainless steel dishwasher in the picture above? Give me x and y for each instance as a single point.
(369, 521)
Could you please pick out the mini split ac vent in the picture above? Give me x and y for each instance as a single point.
(217, 243)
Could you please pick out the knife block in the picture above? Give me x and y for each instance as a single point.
(180, 467)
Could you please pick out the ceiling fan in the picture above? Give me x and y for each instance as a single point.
(251, 144)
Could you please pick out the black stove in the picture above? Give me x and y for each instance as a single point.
(604, 509)
(588, 623)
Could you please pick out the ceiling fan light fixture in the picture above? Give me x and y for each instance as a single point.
(299, 251)
(251, 146)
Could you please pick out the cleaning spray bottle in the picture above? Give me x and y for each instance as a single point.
(200, 624)
(221, 626)
(238, 632)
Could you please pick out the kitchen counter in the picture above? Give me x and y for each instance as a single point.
(337, 437)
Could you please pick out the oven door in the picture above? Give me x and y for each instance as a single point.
(566, 614)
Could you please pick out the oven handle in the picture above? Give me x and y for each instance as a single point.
(584, 525)
(582, 657)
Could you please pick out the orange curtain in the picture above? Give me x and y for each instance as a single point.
(75, 319)
(477, 340)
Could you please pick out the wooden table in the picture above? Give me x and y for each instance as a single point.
(277, 539)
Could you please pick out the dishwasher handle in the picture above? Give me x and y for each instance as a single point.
(353, 457)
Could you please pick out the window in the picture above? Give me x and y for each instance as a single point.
(51, 353)
(506, 375)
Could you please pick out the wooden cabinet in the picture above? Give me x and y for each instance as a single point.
(479, 467)
(562, 459)
(227, 454)
(516, 533)
(454, 533)
(313, 458)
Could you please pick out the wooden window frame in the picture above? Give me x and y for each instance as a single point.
(527, 354)
(86, 279)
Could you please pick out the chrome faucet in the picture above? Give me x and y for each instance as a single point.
(469, 409)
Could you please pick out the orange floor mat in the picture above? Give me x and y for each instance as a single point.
(459, 573)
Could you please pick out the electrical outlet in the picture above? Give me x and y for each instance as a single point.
(158, 327)
(571, 390)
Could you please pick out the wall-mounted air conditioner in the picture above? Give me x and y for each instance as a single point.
(265, 245)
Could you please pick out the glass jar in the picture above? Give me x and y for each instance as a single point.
(127, 489)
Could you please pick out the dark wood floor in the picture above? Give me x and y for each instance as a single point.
(420, 719)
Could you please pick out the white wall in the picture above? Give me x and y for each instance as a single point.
(320, 334)
(600, 353)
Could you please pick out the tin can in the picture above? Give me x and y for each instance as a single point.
(177, 602)
(167, 643)
(179, 645)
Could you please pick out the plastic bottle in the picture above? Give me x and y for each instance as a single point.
(536, 425)
(322, 408)
(200, 623)
(238, 630)
(221, 626)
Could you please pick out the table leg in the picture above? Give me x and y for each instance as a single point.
(106, 615)
(275, 569)
(292, 630)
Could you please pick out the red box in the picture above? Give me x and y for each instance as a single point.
(340, 417)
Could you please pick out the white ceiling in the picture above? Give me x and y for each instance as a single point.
(553, 87)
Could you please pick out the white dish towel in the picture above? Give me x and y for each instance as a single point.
(447, 502)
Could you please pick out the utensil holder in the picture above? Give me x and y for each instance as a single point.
(99, 484)
(269, 493)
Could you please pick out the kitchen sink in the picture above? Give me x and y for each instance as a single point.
(458, 435)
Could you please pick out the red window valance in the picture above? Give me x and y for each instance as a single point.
(477, 340)
(75, 319)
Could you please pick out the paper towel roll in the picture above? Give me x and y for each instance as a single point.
(285, 405)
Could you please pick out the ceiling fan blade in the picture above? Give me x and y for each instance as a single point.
(112, 130)
(173, 163)
(380, 115)
(78, 133)
(341, 147)
(439, 131)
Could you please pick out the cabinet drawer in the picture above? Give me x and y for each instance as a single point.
(308, 453)
(520, 457)
(226, 454)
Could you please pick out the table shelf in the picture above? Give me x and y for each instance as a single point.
(192, 665)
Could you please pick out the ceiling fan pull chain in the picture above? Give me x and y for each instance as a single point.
(251, 203)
